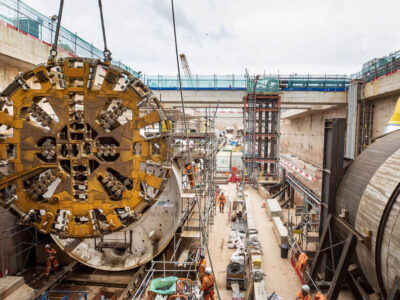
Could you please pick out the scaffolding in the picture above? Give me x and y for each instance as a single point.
(261, 116)
(197, 202)
(18, 244)
(202, 145)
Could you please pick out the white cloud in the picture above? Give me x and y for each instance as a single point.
(227, 36)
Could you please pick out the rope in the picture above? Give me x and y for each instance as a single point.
(53, 50)
(106, 52)
(187, 138)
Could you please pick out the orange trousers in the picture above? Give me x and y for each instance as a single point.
(51, 263)
(209, 295)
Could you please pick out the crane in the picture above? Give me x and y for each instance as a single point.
(186, 68)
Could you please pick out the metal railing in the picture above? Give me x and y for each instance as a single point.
(24, 18)
(196, 82)
(266, 83)
(378, 67)
(64, 295)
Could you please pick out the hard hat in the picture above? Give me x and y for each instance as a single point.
(47, 246)
(305, 288)
(202, 256)
(208, 270)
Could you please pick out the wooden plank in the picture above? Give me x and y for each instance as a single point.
(190, 234)
(188, 195)
(183, 257)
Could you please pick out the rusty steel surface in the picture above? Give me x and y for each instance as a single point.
(369, 191)
(369, 216)
(361, 171)
(83, 150)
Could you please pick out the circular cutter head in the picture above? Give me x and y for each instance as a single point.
(84, 148)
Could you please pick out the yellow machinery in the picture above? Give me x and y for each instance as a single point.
(83, 150)
(394, 122)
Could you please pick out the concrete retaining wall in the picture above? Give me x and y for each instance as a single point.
(304, 137)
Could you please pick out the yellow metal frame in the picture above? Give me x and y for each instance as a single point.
(58, 84)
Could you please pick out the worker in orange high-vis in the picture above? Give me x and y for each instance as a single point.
(221, 202)
(320, 296)
(207, 285)
(189, 173)
(201, 267)
(304, 293)
(51, 260)
(301, 262)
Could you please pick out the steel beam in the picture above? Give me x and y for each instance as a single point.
(332, 166)
(342, 267)
(355, 287)
(319, 255)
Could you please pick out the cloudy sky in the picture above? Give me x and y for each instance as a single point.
(229, 36)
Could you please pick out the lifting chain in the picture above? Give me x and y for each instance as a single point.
(54, 51)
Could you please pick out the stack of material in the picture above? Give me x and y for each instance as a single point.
(280, 231)
(274, 211)
(273, 208)
(256, 261)
(235, 273)
(237, 240)
(254, 245)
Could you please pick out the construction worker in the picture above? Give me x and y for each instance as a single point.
(201, 267)
(51, 259)
(221, 202)
(189, 173)
(207, 285)
(304, 293)
(320, 296)
(301, 262)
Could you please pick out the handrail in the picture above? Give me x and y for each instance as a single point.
(267, 83)
(24, 18)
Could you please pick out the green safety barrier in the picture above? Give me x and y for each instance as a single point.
(25, 18)
(164, 286)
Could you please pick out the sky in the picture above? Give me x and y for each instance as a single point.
(230, 36)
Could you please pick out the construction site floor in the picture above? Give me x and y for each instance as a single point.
(278, 270)
(280, 275)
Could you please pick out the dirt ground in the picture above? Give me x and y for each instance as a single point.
(280, 275)
(219, 235)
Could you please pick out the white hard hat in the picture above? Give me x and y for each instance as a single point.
(305, 288)
(208, 270)
(47, 246)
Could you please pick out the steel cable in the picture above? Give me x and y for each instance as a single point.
(53, 50)
(107, 53)
(187, 138)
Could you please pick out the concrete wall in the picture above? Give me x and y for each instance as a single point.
(383, 111)
(20, 52)
(8, 71)
(383, 85)
(304, 136)
(22, 47)
(234, 99)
